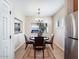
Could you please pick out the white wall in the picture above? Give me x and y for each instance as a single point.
(19, 38)
(59, 31)
(28, 24)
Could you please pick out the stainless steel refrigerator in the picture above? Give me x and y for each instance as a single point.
(71, 36)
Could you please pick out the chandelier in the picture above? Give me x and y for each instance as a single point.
(38, 18)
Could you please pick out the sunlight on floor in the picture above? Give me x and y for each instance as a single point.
(21, 53)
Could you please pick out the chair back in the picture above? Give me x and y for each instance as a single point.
(52, 39)
(39, 41)
(25, 37)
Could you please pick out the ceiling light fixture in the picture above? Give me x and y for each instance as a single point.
(38, 18)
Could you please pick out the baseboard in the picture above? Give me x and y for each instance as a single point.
(59, 46)
(19, 46)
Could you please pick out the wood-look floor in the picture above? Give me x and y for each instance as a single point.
(57, 53)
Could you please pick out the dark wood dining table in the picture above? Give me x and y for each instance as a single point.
(33, 38)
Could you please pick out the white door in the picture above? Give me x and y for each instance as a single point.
(5, 45)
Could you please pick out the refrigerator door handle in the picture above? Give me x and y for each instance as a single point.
(73, 38)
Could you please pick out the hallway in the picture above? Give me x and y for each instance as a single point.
(21, 53)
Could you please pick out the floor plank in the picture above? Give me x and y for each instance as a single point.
(21, 53)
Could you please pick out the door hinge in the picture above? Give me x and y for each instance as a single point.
(10, 12)
(10, 36)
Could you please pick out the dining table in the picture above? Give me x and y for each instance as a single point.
(33, 38)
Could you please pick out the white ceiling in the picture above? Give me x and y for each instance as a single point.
(47, 7)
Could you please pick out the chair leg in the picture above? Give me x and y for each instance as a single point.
(26, 46)
(52, 46)
(34, 54)
(43, 53)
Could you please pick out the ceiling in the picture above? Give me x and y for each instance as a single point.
(47, 7)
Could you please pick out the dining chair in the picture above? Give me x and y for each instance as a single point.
(50, 41)
(39, 44)
(28, 41)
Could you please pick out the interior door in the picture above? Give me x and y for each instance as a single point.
(5, 45)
